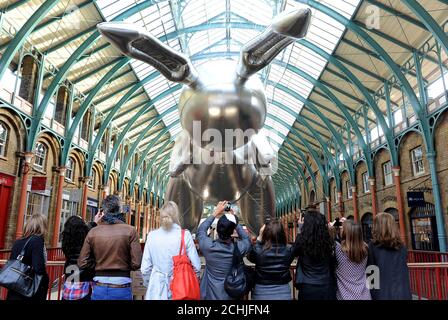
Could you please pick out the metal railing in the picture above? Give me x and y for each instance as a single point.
(53, 254)
(417, 256)
(428, 280)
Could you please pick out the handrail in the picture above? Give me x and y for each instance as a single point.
(428, 265)
(428, 280)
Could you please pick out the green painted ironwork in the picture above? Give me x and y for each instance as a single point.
(24, 32)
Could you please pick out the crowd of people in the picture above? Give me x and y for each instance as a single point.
(333, 260)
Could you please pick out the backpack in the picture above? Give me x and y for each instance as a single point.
(184, 284)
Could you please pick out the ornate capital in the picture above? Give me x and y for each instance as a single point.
(28, 157)
(353, 188)
(86, 179)
(62, 171)
(339, 195)
(372, 181)
(396, 171)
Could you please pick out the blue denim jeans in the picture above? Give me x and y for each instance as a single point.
(107, 293)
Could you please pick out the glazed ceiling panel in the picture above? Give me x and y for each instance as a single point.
(166, 17)
(216, 34)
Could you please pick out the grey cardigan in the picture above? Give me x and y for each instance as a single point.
(218, 256)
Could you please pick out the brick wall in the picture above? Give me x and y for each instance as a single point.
(386, 194)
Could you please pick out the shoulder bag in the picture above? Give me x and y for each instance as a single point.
(185, 284)
(19, 277)
(239, 281)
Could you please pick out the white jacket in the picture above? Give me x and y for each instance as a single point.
(157, 262)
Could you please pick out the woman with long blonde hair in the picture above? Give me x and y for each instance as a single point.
(33, 241)
(351, 256)
(388, 260)
(161, 245)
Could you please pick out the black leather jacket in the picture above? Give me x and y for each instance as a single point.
(314, 271)
(271, 266)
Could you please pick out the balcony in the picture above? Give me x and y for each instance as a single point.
(83, 144)
(437, 103)
(411, 120)
(5, 95)
(400, 127)
(56, 126)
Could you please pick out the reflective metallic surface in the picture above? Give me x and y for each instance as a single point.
(221, 103)
(220, 155)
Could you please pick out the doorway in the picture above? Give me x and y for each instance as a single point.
(424, 228)
(367, 224)
(6, 185)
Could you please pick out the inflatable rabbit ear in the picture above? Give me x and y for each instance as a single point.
(139, 44)
(286, 28)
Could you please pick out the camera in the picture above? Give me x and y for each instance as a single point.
(228, 207)
(337, 223)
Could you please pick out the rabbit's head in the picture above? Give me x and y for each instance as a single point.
(221, 104)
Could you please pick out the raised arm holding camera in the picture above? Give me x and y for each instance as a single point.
(218, 253)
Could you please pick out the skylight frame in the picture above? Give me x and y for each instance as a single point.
(324, 32)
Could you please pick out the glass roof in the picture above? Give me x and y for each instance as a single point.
(168, 17)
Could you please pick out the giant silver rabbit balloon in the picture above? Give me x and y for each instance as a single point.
(221, 153)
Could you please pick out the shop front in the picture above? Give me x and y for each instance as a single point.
(38, 197)
(70, 205)
(6, 186)
(92, 209)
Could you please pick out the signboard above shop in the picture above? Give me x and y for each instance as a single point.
(92, 203)
(39, 183)
(416, 199)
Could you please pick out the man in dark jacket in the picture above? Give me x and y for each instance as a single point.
(113, 249)
(218, 253)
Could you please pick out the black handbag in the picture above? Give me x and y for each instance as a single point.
(239, 281)
(19, 277)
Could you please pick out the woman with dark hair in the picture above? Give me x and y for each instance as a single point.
(388, 259)
(316, 260)
(77, 285)
(272, 257)
(351, 256)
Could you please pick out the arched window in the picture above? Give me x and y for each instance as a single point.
(394, 213)
(135, 160)
(118, 155)
(367, 224)
(70, 171)
(85, 128)
(60, 114)
(40, 156)
(92, 180)
(29, 78)
(104, 141)
(4, 132)
(312, 197)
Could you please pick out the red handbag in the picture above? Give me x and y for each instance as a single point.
(185, 284)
